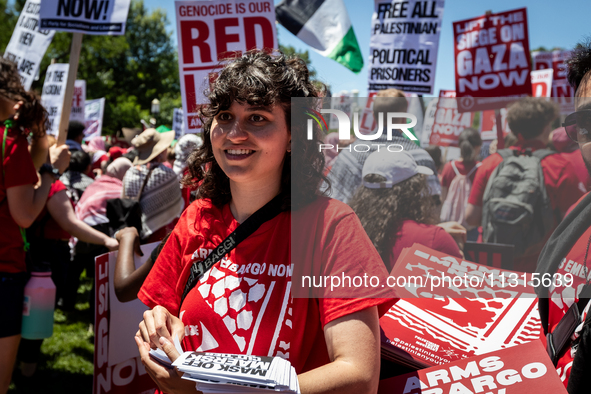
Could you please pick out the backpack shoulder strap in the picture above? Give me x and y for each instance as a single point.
(505, 153)
(473, 169)
(542, 153)
(453, 165)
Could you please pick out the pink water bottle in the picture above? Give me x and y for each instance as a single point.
(38, 306)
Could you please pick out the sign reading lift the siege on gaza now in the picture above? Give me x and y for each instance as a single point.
(492, 60)
(210, 32)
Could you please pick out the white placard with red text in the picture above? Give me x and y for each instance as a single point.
(492, 61)
(541, 82)
(79, 101)
(117, 365)
(28, 44)
(560, 86)
(93, 118)
(210, 32)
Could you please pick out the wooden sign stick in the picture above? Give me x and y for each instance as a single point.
(72, 72)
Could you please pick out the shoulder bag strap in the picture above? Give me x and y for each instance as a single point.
(139, 195)
(243, 231)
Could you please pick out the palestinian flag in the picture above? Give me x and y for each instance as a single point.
(325, 26)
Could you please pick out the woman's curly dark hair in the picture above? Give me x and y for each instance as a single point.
(579, 63)
(382, 211)
(32, 115)
(261, 79)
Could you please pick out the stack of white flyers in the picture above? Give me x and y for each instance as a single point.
(237, 373)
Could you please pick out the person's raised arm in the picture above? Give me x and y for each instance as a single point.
(25, 202)
(128, 280)
(353, 344)
(60, 208)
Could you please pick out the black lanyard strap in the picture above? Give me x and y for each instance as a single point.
(243, 231)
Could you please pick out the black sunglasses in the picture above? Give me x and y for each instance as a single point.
(578, 125)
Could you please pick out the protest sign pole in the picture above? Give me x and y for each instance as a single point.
(499, 124)
(73, 71)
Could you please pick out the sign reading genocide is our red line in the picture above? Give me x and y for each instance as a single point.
(492, 60)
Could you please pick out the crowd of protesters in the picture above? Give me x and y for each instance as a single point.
(356, 211)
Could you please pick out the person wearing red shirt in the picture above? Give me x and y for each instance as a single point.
(530, 120)
(20, 201)
(245, 304)
(395, 209)
(566, 254)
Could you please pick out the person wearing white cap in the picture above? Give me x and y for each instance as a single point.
(395, 207)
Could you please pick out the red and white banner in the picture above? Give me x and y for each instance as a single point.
(492, 60)
(560, 86)
(449, 123)
(78, 101)
(523, 369)
(210, 32)
(117, 365)
(541, 82)
(475, 311)
(488, 124)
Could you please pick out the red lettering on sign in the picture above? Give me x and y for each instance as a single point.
(222, 38)
(190, 93)
(189, 42)
(250, 35)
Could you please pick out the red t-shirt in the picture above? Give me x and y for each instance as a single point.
(51, 229)
(17, 170)
(245, 303)
(448, 174)
(562, 297)
(576, 159)
(431, 236)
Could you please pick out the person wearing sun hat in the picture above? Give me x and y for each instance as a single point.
(395, 207)
(160, 200)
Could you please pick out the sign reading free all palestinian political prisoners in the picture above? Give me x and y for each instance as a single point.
(492, 60)
(98, 17)
(28, 44)
(213, 31)
(404, 43)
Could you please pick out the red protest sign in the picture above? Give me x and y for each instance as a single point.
(522, 369)
(449, 123)
(560, 86)
(210, 32)
(492, 60)
(451, 309)
(117, 365)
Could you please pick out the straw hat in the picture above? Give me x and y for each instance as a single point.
(150, 144)
(130, 133)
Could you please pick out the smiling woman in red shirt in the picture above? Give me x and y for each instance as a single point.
(244, 304)
(21, 114)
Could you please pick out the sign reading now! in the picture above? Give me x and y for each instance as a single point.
(99, 17)
(210, 32)
(492, 60)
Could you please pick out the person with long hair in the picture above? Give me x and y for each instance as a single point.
(245, 303)
(21, 115)
(396, 209)
(459, 175)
